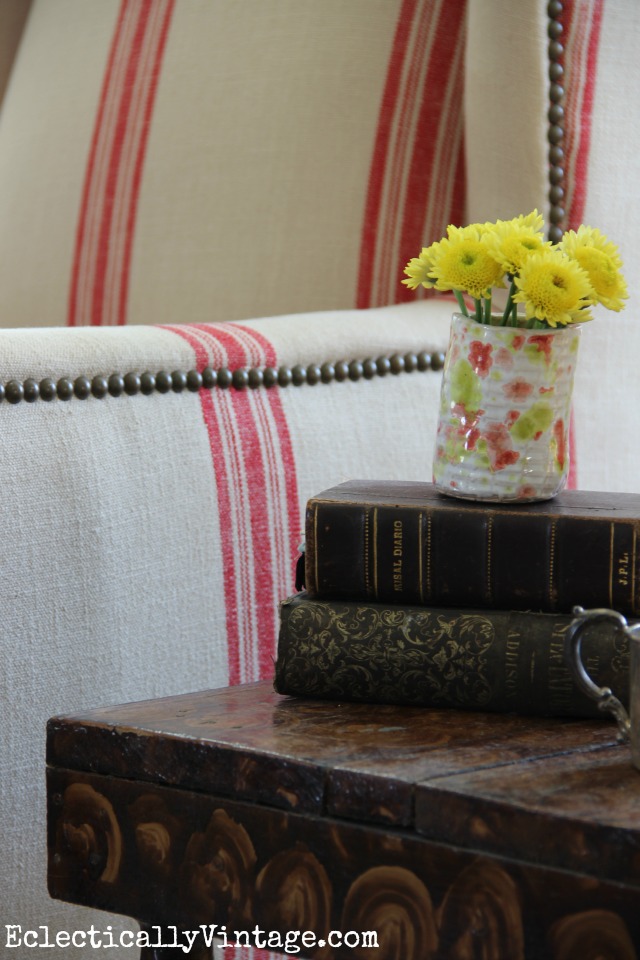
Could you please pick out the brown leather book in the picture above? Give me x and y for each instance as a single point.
(403, 542)
(498, 661)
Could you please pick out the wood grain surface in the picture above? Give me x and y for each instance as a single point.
(453, 834)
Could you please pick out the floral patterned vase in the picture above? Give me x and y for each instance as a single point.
(504, 412)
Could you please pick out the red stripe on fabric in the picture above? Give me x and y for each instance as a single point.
(457, 210)
(108, 201)
(440, 213)
(450, 26)
(139, 161)
(578, 141)
(101, 265)
(406, 132)
(86, 190)
(583, 123)
(572, 476)
(286, 446)
(253, 580)
(380, 153)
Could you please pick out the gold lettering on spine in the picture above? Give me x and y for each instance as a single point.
(370, 550)
(429, 557)
(559, 682)
(316, 576)
(552, 558)
(397, 556)
(511, 666)
(420, 580)
(489, 545)
(611, 556)
(633, 571)
(623, 573)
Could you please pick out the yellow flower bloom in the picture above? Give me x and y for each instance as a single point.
(512, 242)
(601, 260)
(554, 289)
(419, 268)
(533, 220)
(462, 262)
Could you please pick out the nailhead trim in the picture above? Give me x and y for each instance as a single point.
(116, 385)
(555, 133)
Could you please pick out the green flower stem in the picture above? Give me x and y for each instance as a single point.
(508, 310)
(460, 299)
(479, 317)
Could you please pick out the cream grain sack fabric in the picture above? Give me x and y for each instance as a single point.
(191, 161)
(149, 538)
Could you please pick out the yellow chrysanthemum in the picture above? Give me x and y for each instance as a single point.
(512, 242)
(419, 268)
(533, 220)
(601, 260)
(461, 262)
(554, 289)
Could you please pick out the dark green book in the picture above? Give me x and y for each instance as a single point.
(492, 660)
(403, 542)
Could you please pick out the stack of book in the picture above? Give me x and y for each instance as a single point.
(415, 598)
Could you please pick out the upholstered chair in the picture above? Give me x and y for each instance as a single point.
(205, 210)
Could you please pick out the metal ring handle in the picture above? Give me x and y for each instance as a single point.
(603, 696)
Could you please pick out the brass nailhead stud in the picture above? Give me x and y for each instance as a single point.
(285, 376)
(194, 381)
(209, 378)
(116, 384)
(270, 377)
(298, 375)
(240, 379)
(178, 381)
(355, 370)
(314, 374)
(147, 383)
(14, 391)
(225, 378)
(64, 388)
(327, 372)
(31, 390)
(369, 369)
(132, 384)
(256, 378)
(48, 389)
(341, 370)
(82, 388)
(99, 387)
(410, 362)
(163, 381)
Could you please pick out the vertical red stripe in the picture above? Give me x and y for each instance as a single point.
(578, 134)
(139, 163)
(449, 31)
(86, 190)
(582, 123)
(416, 142)
(572, 476)
(381, 153)
(102, 256)
(459, 197)
(231, 425)
(108, 201)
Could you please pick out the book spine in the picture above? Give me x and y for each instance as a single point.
(470, 557)
(495, 661)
